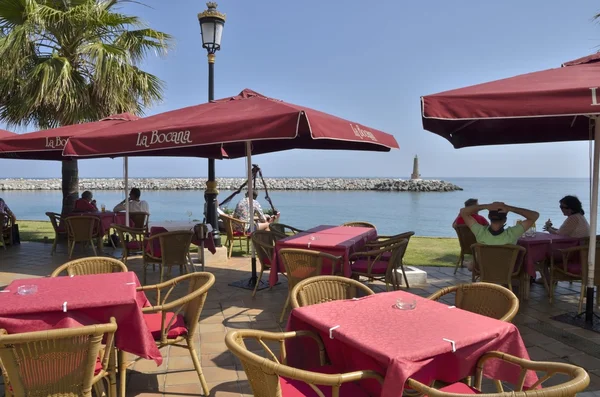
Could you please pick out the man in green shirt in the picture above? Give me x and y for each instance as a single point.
(496, 233)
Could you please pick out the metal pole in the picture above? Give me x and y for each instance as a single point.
(589, 304)
(211, 193)
(254, 277)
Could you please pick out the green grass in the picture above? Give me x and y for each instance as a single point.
(422, 251)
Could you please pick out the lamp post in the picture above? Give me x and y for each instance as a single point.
(211, 28)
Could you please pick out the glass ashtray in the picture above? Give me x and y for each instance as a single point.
(27, 289)
(406, 303)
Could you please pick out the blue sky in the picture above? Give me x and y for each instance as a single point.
(370, 63)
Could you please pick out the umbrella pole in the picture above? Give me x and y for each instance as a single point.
(589, 304)
(126, 170)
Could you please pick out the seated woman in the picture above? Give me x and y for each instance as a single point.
(85, 203)
(575, 225)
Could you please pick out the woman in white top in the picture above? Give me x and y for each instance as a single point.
(575, 225)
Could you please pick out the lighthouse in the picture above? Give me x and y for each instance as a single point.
(415, 174)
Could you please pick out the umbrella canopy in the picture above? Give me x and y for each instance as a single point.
(545, 106)
(203, 130)
(49, 144)
(6, 134)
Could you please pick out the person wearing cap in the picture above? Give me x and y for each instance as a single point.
(478, 218)
(497, 233)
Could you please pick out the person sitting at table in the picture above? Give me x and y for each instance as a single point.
(480, 219)
(242, 212)
(135, 204)
(6, 211)
(86, 203)
(575, 225)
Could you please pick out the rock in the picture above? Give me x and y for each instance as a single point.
(373, 184)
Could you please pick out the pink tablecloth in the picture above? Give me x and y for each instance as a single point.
(90, 300)
(335, 240)
(541, 246)
(374, 335)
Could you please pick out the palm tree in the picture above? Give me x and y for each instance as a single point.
(73, 61)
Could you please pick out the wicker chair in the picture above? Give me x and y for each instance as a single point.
(140, 220)
(131, 240)
(500, 264)
(319, 289)
(466, 239)
(58, 363)
(383, 240)
(301, 264)
(360, 224)
(487, 299)
(91, 265)
(59, 230)
(284, 229)
(82, 229)
(264, 372)
(173, 249)
(6, 226)
(381, 263)
(233, 229)
(264, 245)
(174, 321)
(578, 380)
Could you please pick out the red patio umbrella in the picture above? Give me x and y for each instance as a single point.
(6, 134)
(48, 144)
(553, 105)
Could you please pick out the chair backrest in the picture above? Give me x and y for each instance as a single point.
(321, 289)
(300, 264)
(360, 224)
(55, 363)
(55, 220)
(569, 380)
(5, 221)
(175, 247)
(228, 222)
(140, 219)
(394, 248)
(82, 227)
(264, 245)
(397, 250)
(487, 299)
(263, 373)
(284, 229)
(498, 263)
(466, 238)
(583, 260)
(91, 265)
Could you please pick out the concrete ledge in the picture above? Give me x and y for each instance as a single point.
(219, 258)
(414, 275)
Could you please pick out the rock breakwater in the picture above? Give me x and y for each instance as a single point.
(374, 184)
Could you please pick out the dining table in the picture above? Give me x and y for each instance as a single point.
(38, 304)
(541, 247)
(335, 240)
(430, 341)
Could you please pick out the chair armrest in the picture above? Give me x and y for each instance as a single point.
(333, 258)
(369, 253)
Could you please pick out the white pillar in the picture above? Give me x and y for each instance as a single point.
(126, 170)
(250, 192)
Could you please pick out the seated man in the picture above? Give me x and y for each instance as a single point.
(135, 204)
(496, 233)
(480, 219)
(6, 211)
(85, 203)
(242, 212)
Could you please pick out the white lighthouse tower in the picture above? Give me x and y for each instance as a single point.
(415, 174)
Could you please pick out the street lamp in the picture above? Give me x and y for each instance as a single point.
(211, 28)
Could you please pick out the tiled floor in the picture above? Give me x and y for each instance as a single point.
(229, 307)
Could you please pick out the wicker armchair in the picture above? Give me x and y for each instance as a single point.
(82, 229)
(91, 265)
(487, 299)
(321, 289)
(500, 264)
(381, 263)
(466, 239)
(131, 240)
(360, 224)
(235, 230)
(264, 373)
(58, 363)
(301, 264)
(284, 229)
(578, 380)
(175, 321)
(6, 226)
(264, 245)
(383, 240)
(60, 230)
(140, 220)
(167, 250)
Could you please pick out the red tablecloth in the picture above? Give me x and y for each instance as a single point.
(90, 300)
(335, 240)
(541, 246)
(374, 335)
